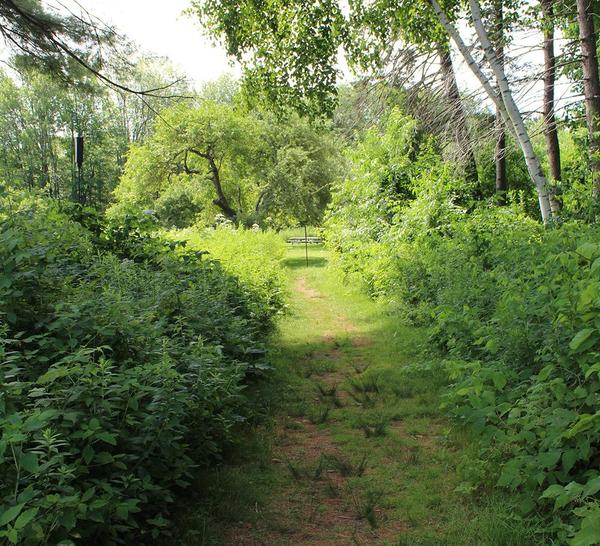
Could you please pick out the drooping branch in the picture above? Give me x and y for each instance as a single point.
(51, 39)
(458, 120)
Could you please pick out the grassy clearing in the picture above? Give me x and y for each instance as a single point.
(355, 450)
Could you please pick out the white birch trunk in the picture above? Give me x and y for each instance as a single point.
(505, 103)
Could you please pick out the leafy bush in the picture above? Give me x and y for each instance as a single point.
(179, 205)
(123, 366)
(252, 256)
(514, 307)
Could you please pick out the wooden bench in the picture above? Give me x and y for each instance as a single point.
(305, 240)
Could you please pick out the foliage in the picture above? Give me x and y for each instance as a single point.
(39, 120)
(292, 47)
(290, 50)
(250, 255)
(222, 159)
(123, 366)
(61, 44)
(179, 205)
(513, 307)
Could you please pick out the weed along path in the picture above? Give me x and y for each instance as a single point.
(356, 452)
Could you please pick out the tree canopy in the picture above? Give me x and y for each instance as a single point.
(249, 167)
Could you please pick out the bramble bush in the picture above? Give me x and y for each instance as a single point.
(252, 256)
(123, 363)
(515, 309)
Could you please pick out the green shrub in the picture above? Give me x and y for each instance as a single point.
(252, 256)
(179, 206)
(515, 310)
(123, 366)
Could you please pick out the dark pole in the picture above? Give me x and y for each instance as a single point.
(79, 163)
(306, 244)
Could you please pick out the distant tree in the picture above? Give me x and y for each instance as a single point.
(245, 166)
(138, 112)
(303, 161)
(39, 119)
(225, 90)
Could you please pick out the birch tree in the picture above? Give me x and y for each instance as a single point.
(503, 100)
(289, 49)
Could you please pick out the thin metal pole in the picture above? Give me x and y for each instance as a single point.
(306, 244)
(79, 190)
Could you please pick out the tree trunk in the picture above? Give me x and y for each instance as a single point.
(458, 120)
(501, 173)
(591, 87)
(550, 130)
(506, 103)
(500, 153)
(221, 201)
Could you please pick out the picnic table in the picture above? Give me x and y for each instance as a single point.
(305, 240)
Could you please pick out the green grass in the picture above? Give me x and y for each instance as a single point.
(347, 369)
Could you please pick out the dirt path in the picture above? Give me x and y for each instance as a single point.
(317, 507)
(354, 450)
(325, 496)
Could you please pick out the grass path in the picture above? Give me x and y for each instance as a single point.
(356, 451)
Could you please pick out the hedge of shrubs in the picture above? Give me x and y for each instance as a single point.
(123, 364)
(514, 308)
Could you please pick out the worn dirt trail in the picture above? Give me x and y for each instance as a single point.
(356, 450)
(316, 503)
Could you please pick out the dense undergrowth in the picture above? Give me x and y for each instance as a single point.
(124, 359)
(513, 307)
(253, 256)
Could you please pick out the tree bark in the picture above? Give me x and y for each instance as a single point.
(221, 201)
(591, 87)
(501, 171)
(533, 164)
(505, 102)
(551, 132)
(500, 152)
(458, 119)
(550, 129)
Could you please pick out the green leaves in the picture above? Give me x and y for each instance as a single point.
(288, 49)
(511, 475)
(589, 250)
(127, 361)
(29, 462)
(25, 518)
(250, 167)
(515, 312)
(583, 340)
(8, 514)
(589, 533)
(585, 422)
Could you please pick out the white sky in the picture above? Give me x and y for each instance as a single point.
(159, 27)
